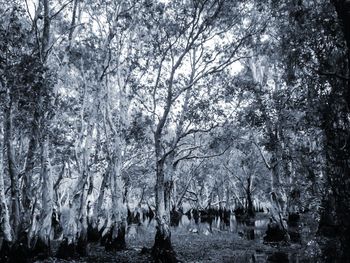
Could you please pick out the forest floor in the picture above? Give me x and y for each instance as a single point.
(197, 243)
(194, 247)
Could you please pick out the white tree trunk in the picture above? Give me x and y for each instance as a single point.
(5, 227)
(116, 238)
(168, 183)
(12, 170)
(47, 193)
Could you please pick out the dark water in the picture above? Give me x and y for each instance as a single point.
(254, 229)
(251, 230)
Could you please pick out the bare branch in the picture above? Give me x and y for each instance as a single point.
(61, 9)
(207, 156)
(268, 166)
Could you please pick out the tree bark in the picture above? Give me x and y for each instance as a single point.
(12, 170)
(27, 195)
(162, 249)
(116, 235)
(5, 227)
(250, 206)
(43, 243)
(168, 183)
(72, 24)
(27, 191)
(228, 204)
(46, 31)
(95, 234)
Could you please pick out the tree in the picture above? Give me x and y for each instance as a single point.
(316, 57)
(189, 37)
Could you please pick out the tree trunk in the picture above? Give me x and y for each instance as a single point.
(162, 250)
(72, 24)
(43, 244)
(228, 204)
(277, 200)
(94, 233)
(5, 227)
(275, 166)
(75, 223)
(27, 195)
(116, 234)
(104, 186)
(76, 229)
(46, 31)
(15, 205)
(250, 206)
(168, 183)
(277, 229)
(82, 220)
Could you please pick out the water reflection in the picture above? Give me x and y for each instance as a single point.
(248, 229)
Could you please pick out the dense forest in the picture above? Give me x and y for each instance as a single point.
(174, 131)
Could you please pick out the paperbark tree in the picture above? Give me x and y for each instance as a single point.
(197, 27)
(44, 234)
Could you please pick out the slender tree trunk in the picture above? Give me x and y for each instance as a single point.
(27, 191)
(278, 210)
(82, 195)
(75, 220)
(228, 198)
(45, 41)
(104, 186)
(278, 197)
(250, 206)
(72, 24)
(46, 199)
(15, 205)
(95, 234)
(116, 235)
(27, 195)
(82, 219)
(5, 227)
(168, 183)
